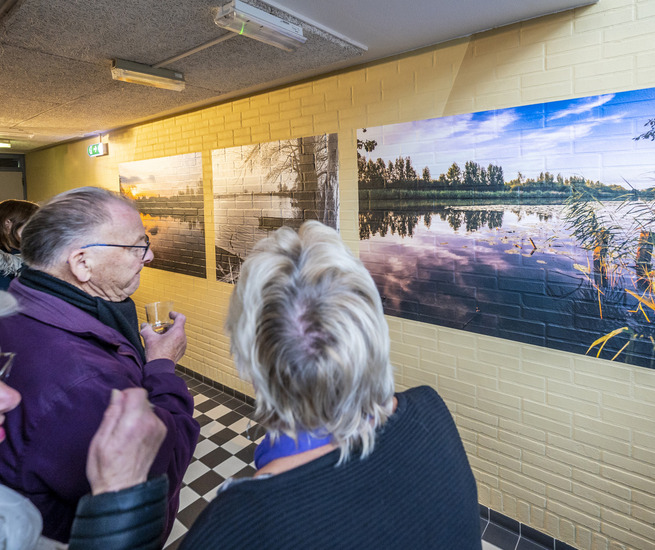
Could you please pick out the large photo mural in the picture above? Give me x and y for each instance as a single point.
(259, 188)
(168, 193)
(534, 223)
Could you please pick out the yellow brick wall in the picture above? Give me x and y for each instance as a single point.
(561, 442)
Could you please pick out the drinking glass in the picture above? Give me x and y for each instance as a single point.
(6, 361)
(157, 315)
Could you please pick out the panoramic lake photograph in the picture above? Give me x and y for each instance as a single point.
(168, 193)
(534, 223)
(259, 188)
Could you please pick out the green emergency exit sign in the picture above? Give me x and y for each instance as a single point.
(98, 150)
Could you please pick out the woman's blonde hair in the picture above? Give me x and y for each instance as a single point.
(308, 330)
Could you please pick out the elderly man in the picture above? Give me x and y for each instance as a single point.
(76, 338)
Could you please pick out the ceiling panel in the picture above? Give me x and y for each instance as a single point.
(55, 55)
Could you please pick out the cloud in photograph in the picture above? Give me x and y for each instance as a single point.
(533, 138)
(581, 107)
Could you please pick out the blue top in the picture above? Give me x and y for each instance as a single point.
(285, 446)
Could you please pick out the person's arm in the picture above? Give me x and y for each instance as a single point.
(125, 445)
(52, 470)
(124, 511)
(173, 404)
(123, 520)
(171, 398)
(62, 424)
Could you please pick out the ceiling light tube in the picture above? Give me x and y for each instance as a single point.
(136, 73)
(5, 144)
(16, 134)
(247, 20)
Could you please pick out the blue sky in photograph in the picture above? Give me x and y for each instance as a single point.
(591, 137)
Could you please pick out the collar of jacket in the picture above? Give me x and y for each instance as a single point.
(54, 311)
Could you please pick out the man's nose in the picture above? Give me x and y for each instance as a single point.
(149, 256)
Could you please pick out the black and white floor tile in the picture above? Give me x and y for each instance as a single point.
(226, 446)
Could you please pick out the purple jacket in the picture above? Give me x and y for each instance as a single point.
(66, 365)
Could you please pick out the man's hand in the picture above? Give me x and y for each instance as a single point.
(169, 345)
(126, 443)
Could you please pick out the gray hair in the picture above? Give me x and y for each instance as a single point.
(8, 304)
(63, 221)
(308, 330)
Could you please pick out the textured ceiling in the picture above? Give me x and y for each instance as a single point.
(55, 55)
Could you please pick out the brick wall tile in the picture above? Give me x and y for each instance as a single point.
(562, 510)
(557, 26)
(604, 19)
(625, 533)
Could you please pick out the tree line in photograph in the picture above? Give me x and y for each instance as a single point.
(399, 179)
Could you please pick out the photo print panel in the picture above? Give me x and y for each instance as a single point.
(534, 223)
(259, 188)
(168, 193)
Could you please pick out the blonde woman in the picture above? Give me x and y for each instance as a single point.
(346, 462)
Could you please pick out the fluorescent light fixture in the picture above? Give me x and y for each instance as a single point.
(129, 71)
(15, 134)
(5, 144)
(247, 20)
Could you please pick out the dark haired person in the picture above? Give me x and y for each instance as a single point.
(76, 339)
(346, 462)
(13, 216)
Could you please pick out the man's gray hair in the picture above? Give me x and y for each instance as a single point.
(308, 330)
(64, 221)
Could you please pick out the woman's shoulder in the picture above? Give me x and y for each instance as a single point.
(421, 408)
(420, 396)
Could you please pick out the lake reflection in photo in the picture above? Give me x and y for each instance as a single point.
(168, 192)
(245, 219)
(177, 243)
(510, 271)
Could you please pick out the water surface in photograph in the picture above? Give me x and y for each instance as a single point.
(511, 271)
(178, 243)
(242, 220)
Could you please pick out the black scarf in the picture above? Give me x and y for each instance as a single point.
(120, 316)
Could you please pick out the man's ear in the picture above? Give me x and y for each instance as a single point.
(79, 265)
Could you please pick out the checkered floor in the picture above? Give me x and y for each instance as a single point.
(226, 447)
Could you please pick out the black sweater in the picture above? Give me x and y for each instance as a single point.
(416, 490)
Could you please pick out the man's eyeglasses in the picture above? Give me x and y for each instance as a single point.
(145, 247)
(6, 360)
